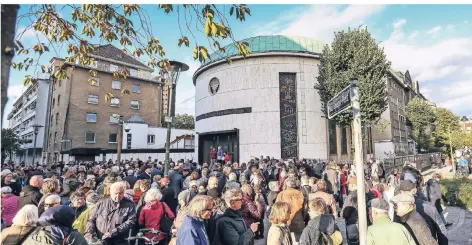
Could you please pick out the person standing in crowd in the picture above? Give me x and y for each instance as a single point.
(220, 155)
(31, 193)
(296, 200)
(279, 233)
(193, 231)
(130, 178)
(69, 185)
(56, 228)
(251, 210)
(176, 181)
(52, 201)
(81, 222)
(23, 224)
(112, 217)
(213, 187)
(404, 205)
(427, 211)
(153, 212)
(273, 193)
(383, 230)
(434, 195)
(328, 198)
(331, 179)
(212, 157)
(8, 180)
(231, 228)
(322, 228)
(168, 195)
(50, 187)
(10, 204)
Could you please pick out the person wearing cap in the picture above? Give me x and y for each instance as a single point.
(404, 205)
(81, 222)
(8, 180)
(427, 211)
(383, 230)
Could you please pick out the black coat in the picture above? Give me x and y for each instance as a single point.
(418, 228)
(29, 195)
(131, 180)
(323, 225)
(168, 196)
(231, 230)
(116, 218)
(213, 192)
(15, 187)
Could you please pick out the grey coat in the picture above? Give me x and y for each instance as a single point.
(318, 229)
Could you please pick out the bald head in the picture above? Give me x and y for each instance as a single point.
(36, 181)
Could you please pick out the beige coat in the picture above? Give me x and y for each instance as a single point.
(279, 234)
(12, 235)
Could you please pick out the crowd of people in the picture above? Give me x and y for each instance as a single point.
(221, 203)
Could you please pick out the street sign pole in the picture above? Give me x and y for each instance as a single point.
(359, 161)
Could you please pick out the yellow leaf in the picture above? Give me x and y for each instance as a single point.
(208, 27)
(195, 52)
(214, 29)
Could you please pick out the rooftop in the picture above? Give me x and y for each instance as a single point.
(273, 43)
(111, 52)
(136, 119)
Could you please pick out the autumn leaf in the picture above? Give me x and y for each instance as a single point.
(195, 52)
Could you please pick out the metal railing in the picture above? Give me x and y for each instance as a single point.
(420, 161)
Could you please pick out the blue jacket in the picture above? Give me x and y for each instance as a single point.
(192, 232)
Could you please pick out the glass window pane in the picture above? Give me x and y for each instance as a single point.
(332, 138)
(91, 117)
(90, 137)
(112, 138)
(136, 88)
(115, 101)
(93, 99)
(134, 104)
(113, 120)
(115, 84)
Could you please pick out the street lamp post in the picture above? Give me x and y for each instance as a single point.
(172, 77)
(36, 129)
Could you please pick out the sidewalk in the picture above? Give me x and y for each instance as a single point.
(460, 232)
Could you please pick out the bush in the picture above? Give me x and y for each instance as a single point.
(458, 192)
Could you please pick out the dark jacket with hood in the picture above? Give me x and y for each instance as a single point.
(318, 230)
(30, 195)
(418, 228)
(231, 230)
(56, 228)
(117, 218)
(15, 187)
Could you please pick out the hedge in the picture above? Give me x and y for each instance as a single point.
(458, 192)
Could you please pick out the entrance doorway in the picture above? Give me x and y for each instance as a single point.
(228, 140)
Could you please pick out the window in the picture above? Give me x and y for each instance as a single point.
(113, 68)
(96, 83)
(133, 72)
(135, 104)
(115, 102)
(55, 137)
(89, 137)
(58, 99)
(52, 119)
(57, 117)
(53, 102)
(112, 138)
(113, 120)
(91, 117)
(92, 99)
(136, 88)
(115, 84)
(332, 137)
(151, 139)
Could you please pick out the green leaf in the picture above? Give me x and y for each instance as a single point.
(20, 44)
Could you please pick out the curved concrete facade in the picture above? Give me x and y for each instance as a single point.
(254, 83)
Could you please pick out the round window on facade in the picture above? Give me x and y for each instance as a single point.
(214, 86)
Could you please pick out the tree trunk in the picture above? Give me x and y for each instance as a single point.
(9, 12)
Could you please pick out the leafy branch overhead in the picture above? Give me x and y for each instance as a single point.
(354, 54)
(113, 23)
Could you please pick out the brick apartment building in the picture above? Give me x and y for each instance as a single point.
(81, 121)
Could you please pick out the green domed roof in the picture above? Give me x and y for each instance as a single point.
(267, 44)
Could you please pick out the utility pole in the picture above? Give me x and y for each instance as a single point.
(120, 140)
(359, 161)
(36, 129)
(452, 153)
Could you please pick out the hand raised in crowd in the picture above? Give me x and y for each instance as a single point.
(254, 226)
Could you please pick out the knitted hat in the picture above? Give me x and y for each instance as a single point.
(92, 198)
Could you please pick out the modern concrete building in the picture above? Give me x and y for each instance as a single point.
(30, 109)
(264, 104)
(81, 123)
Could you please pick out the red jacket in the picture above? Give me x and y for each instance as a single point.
(213, 154)
(151, 216)
(251, 210)
(343, 180)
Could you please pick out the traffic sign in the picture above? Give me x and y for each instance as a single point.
(340, 102)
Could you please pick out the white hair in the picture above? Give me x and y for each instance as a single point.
(118, 186)
(6, 190)
(232, 176)
(52, 199)
(27, 216)
(152, 195)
